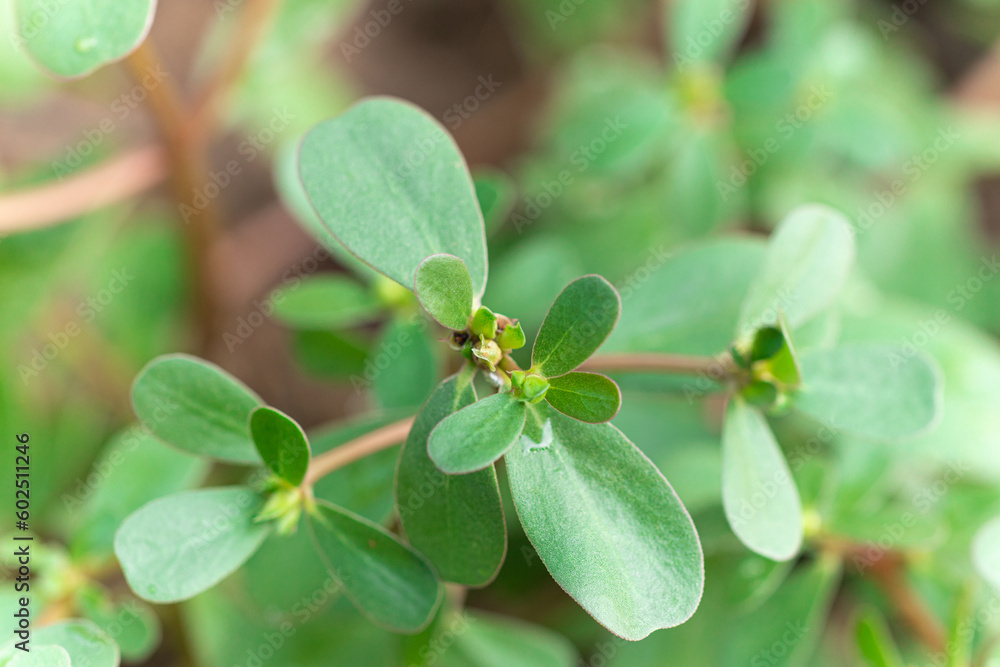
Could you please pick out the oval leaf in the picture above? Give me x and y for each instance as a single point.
(579, 320)
(42, 656)
(871, 391)
(72, 39)
(808, 260)
(78, 642)
(176, 547)
(196, 406)
(589, 397)
(390, 183)
(444, 287)
(477, 435)
(281, 443)
(438, 511)
(388, 582)
(326, 302)
(758, 493)
(606, 523)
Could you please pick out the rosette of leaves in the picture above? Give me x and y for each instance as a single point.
(179, 545)
(388, 182)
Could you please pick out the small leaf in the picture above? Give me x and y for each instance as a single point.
(438, 511)
(82, 641)
(758, 493)
(589, 397)
(605, 522)
(72, 39)
(875, 642)
(484, 323)
(444, 288)
(808, 260)
(986, 553)
(477, 435)
(329, 301)
(281, 443)
(178, 546)
(579, 320)
(386, 580)
(390, 183)
(871, 391)
(196, 406)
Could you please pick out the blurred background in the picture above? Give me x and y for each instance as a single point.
(603, 135)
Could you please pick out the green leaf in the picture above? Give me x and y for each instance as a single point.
(404, 364)
(477, 435)
(606, 523)
(196, 406)
(328, 301)
(386, 580)
(758, 493)
(706, 30)
(871, 391)
(444, 287)
(390, 183)
(497, 195)
(42, 656)
(72, 39)
(579, 320)
(133, 625)
(874, 641)
(438, 511)
(488, 640)
(84, 643)
(281, 443)
(176, 547)
(986, 553)
(589, 397)
(808, 260)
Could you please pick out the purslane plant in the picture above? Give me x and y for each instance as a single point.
(390, 184)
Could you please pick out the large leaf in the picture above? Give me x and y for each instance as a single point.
(389, 582)
(196, 406)
(486, 640)
(872, 391)
(808, 260)
(758, 492)
(176, 547)
(281, 443)
(606, 523)
(326, 302)
(438, 511)
(73, 38)
(589, 397)
(477, 435)
(444, 288)
(82, 641)
(389, 182)
(579, 320)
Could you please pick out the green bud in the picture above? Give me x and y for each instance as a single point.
(533, 388)
(289, 522)
(512, 337)
(760, 393)
(489, 352)
(391, 294)
(517, 379)
(281, 502)
(484, 323)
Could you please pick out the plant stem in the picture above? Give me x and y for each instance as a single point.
(116, 179)
(887, 573)
(365, 445)
(655, 362)
(189, 173)
(250, 29)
